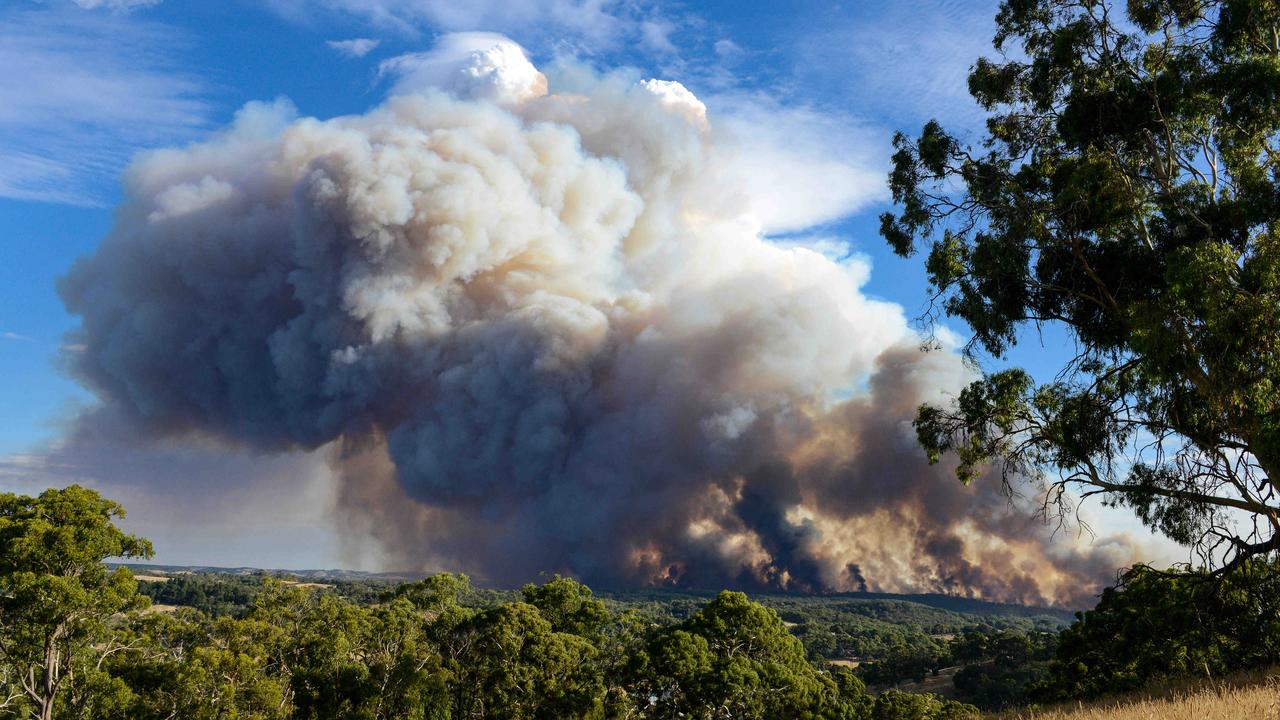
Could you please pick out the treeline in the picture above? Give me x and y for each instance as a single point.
(829, 627)
(220, 593)
(558, 652)
(78, 641)
(555, 653)
(896, 642)
(1152, 626)
(214, 595)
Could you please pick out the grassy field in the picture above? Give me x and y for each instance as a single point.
(1254, 696)
(942, 684)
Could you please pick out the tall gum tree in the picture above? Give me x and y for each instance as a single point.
(55, 594)
(1126, 189)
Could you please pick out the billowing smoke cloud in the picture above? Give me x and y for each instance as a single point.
(541, 331)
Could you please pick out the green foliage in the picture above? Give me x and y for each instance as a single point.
(436, 649)
(1126, 191)
(898, 705)
(214, 595)
(55, 594)
(568, 605)
(735, 658)
(192, 666)
(1002, 670)
(437, 594)
(865, 626)
(1156, 625)
(905, 662)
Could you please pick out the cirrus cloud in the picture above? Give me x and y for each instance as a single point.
(355, 47)
(80, 94)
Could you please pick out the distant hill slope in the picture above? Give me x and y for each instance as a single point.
(941, 613)
(922, 609)
(971, 605)
(313, 574)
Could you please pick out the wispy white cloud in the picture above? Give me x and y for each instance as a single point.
(906, 62)
(655, 34)
(595, 22)
(15, 336)
(80, 93)
(727, 48)
(355, 47)
(802, 165)
(117, 5)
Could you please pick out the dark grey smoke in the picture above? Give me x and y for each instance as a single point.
(542, 333)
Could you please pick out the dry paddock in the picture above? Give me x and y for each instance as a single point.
(1254, 696)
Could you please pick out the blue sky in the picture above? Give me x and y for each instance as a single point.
(91, 82)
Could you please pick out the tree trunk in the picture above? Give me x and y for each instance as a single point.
(52, 673)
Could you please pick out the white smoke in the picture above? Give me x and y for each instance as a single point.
(473, 65)
(545, 333)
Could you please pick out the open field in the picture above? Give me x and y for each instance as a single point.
(942, 684)
(1253, 696)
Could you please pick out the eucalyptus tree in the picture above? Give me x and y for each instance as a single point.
(1126, 189)
(735, 659)
(56, 595)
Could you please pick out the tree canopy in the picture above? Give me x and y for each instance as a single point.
(1156, 625)
(55, 593)
(78, 642)
(1125, 190)
(440, 649)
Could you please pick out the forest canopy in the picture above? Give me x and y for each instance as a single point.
(78, 641)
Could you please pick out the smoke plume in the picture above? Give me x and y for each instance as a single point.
(541, 331)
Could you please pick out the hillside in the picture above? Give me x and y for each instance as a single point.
(930, 613)
(923, 609)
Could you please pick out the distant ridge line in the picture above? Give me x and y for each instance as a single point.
(953, 603)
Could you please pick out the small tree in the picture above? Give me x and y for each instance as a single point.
(568, 605)
(55, 593)
(735, 658)
(513, 666)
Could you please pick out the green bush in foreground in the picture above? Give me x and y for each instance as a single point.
(1156, 625)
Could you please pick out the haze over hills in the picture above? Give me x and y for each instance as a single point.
(882, 601)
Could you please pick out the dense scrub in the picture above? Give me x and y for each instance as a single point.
(302, 652)
(1156, 625)
(1153, 627)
